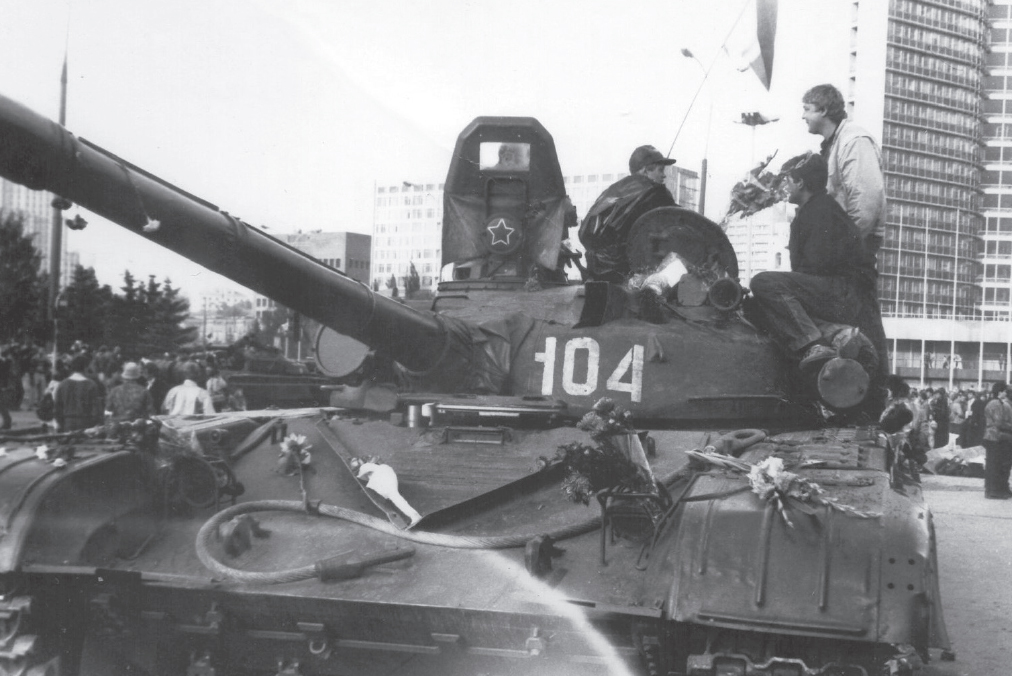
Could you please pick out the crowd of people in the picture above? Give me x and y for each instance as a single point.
(965, 418)
(88, 387)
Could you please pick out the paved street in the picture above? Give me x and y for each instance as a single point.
(975, 558)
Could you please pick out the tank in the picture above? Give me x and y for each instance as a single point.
(261, 375)
(530, 475)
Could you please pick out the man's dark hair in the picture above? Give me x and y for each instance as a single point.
(897, 386)
(896, 418)
(191, 371)
(810, 169)
(998, 388)
(80, 363)
(828, 98)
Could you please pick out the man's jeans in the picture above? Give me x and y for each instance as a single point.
(792, 300)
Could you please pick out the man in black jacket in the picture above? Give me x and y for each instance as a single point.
(833, 277)
(605, 230)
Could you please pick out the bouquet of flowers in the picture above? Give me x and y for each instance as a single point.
(773, 483)
(609, 464)
(760, 188)
(293, 454)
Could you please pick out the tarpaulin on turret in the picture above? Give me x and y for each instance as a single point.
(504, 196)
(467, 235)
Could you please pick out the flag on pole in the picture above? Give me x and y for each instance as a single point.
(753, 42)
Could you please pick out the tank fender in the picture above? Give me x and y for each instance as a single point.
(731, 561)
(72, 515)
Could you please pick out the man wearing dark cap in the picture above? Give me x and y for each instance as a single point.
(605, 230)
(833, 278)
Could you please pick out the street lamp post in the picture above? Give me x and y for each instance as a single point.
(60, 303)
(687, 53)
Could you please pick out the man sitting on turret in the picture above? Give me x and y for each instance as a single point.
(605, 230)
(833, 277)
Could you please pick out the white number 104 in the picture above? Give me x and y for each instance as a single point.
(631, 364)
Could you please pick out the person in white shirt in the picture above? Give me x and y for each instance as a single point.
(188, 398)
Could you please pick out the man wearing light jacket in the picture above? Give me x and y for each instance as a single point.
(854, 162)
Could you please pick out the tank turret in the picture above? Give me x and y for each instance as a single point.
(506, 321)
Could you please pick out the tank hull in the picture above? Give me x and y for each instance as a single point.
(722, 567)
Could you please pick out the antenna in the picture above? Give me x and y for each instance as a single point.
(688, 54)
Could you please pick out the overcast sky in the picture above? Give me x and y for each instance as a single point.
(285, 112)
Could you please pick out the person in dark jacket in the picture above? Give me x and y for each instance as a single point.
(833, 278)
(972, 433)
(130, 400)
(157, 384)
(997, 444)
(940, 414)
(78, 403)
(605, 229)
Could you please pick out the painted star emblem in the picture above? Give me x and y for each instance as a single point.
(501, 232)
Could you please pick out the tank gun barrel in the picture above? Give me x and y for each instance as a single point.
(42, 155)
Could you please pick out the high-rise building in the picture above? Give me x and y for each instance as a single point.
(997, 178)
(925, 97)
(760, 240)
(407, 230)
(918, 81)
(36, 209)
(408, 222)
(69, 261)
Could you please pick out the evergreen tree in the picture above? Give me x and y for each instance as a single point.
(166, 310)
(174, 309)
(86, 310)
(413, 283)
(128, 317)
(22, 286)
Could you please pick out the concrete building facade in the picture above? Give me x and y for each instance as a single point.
(919, 82)
(407, 230)
(760, 240)
(35, 206)
(996, 303)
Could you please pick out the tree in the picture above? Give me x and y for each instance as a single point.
(234, 310)
(22, 285)
(143, 320)
(128, 317)
(85, 311)
(167, 310)
(413, 283)
(271, 322)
